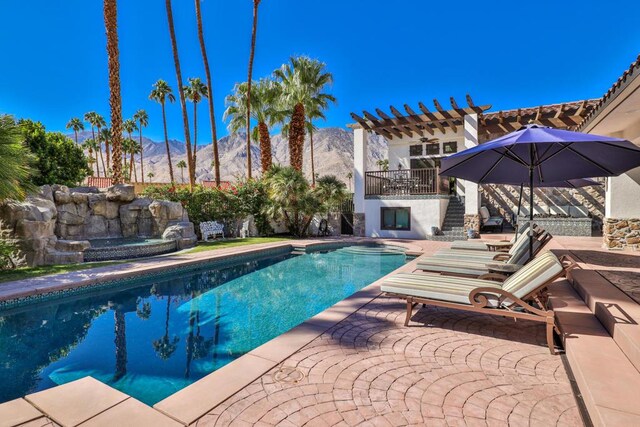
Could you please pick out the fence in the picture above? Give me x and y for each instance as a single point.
(404, 182)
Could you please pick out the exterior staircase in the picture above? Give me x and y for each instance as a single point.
(453, 225)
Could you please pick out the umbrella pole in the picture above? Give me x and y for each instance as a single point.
(531, 201)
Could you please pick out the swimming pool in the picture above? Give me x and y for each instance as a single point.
(151, 337)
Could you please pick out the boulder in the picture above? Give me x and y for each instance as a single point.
(80, 198)
(72, 245)
(61, 197)
(165, 213)
(87, 190)
(121, 193)
(96, 227)
(183, 233)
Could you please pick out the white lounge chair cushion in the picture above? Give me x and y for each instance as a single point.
(540, 270)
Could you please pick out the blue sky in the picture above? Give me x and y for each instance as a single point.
(505, 53)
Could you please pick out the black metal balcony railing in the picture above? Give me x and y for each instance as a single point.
(405, 182)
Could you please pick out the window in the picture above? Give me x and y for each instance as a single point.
(415, 150)
(433, 149)
(422, 163)
(450, 147)
(395, 218)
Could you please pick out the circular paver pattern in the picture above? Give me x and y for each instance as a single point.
(449, 368)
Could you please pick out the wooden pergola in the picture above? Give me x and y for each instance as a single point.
(563, 116)
(422, 124)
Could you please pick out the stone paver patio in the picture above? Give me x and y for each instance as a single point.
(449, 368)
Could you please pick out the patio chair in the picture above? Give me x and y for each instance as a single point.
(475, 267)
(488, 221)
(487, 245)
(496, 245)
(521, 242)
(521, 296)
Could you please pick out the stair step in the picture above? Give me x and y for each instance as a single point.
(608, 382)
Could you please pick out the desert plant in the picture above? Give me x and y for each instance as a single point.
(142, 118)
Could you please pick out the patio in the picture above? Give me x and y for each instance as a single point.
(356, 364)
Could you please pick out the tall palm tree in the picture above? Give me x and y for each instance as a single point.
(100, 124)
(105, 136)
(161, 93)
(96, 121)
(129, 126)
(183, 103)
(150, 175)
(302, 80)
(181, 164)
(134, 148)
(142, 118)
(254, 30)
(115, 100)
(195, 91)
(76, 125)
(207, 71)
(92, 146)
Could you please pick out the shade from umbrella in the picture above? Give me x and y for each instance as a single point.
(538, 154)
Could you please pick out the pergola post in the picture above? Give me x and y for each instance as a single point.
(470, 189)
(360, 142)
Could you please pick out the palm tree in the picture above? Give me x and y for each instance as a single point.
(265, 101)
(181, 164)
(134, 148)
(129, 126)
(195, 91)
(91, 145)
(315, 110)
(97, 121)
(183, 103)
(150, 175)
(115, 100)
(142, 118)
(161, 93)
(254, 30)
(236, 111)
(76, 125)
(15, 158)
(105, 136)
(302, 80)
(212, 118)
(331, 191)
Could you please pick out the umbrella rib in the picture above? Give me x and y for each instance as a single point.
(564, 147)
(492, 168)
(444, 171)
(598, 165)
(514, 156)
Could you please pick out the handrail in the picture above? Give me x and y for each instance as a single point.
(404, 182)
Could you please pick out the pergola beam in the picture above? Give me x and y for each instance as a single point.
(405, 120)
(413, 116)
(432, 117)
(396, 122)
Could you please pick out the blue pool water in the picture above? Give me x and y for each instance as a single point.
(153, 337)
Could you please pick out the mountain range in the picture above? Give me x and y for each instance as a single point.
(333, 152)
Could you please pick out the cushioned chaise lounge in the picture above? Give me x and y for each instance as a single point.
(475, 267)
(521, 296)
(487, 245)
(521, 242)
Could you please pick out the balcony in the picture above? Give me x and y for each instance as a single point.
(405, 182)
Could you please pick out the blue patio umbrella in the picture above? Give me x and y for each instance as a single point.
(539, 154)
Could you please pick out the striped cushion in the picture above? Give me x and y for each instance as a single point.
(522, 239)
(533, 275)
(450, 289)
(453, 266)
(481, 245)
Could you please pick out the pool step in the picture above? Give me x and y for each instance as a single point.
(364, 250)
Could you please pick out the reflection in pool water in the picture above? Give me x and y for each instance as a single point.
(154, 337)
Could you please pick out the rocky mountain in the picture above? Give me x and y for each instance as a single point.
(333, 150)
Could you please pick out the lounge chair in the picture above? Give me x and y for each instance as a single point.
(521, 296)
(475, 268)
(461, 254)
(487, 245)
(488, 221)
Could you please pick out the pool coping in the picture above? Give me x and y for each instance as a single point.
(194, 401)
